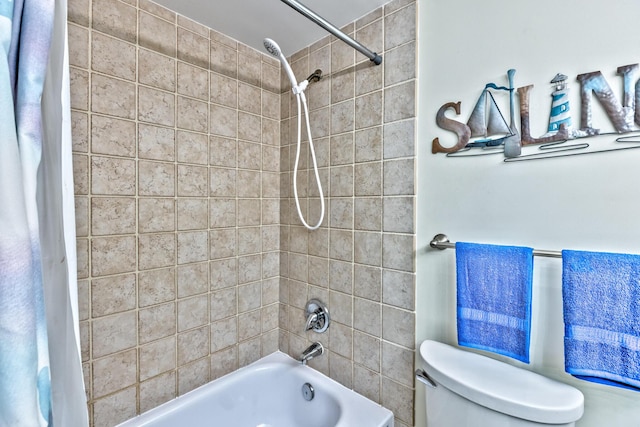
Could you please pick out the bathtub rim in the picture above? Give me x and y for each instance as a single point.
(348, 414)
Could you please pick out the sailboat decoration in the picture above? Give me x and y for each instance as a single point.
(486, 123)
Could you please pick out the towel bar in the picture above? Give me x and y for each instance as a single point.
(442, 242)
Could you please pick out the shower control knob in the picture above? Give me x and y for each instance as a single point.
(317, 315)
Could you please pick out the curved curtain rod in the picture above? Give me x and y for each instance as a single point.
(311, 15)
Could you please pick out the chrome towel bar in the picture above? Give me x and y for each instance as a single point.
(442, 242)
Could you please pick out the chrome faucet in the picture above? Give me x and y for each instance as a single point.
(317, 316)
(312, 321)
(314, 350)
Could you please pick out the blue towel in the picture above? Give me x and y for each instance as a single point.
(494, 298)
(601, 300)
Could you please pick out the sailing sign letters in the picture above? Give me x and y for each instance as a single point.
(487, 128)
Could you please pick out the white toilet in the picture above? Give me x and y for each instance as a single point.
(476, 391)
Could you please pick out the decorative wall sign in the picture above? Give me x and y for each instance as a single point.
(488, 132)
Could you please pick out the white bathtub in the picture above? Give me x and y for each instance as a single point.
(268, 393)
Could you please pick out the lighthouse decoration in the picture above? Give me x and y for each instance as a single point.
(559, 113)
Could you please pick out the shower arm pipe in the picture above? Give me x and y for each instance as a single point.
(442, 242)
(311, 15)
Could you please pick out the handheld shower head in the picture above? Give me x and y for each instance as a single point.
(273, 48)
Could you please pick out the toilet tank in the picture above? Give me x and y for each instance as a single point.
(476, 391)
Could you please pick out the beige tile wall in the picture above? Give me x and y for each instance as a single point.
(361, 261)
(176, 155)
(185, 219)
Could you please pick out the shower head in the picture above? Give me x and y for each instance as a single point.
(273, 48)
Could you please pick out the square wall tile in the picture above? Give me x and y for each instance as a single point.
(155, 9)
(113, 57)
(224, 362)
(193, 81)
(156, 143)
(112, 176)
(193, 247)
(192, 114)
(193, 214)
(400, 27)
(155, 106)
(80, 91)
(157, 34)
(113, 333)
(398, 326)
(193, 375)
(398, 251)
(399, 214)
(113, 373)
(157, 391)
(113, 136)
(193, 48)
(156, 179)
(113, 294)
(399, 102)
(193, 279)
(223, 121)
(78, 12)
(224, 333)
(224, 60)
(115, 409)
(113, 255)
(156, 286)
(192, 148)
(156, 70)
(193, 312)
(224, 273)
(223, 152)
(156, 250)
(156, 322)
(112, 17)
(112, 96)
(193, 345)
(157, 357)
(192, 181)
(113, 215)
(222, 213)
(223, 90)
(80, 131)
(156, 215)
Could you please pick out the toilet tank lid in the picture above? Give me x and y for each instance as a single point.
(502, 387)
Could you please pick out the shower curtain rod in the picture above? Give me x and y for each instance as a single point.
(311, 15)
(441, 241)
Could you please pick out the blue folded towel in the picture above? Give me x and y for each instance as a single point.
(601, 299)
(494, 298)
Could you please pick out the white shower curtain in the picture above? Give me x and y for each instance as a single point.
(41, 382)
(57, 234)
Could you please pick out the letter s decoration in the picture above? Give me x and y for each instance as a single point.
(460, 129)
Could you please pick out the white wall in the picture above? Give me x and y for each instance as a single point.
(585, 202)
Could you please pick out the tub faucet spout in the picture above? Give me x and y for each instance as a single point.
(315, 349)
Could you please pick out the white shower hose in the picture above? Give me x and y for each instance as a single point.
(300, 97)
